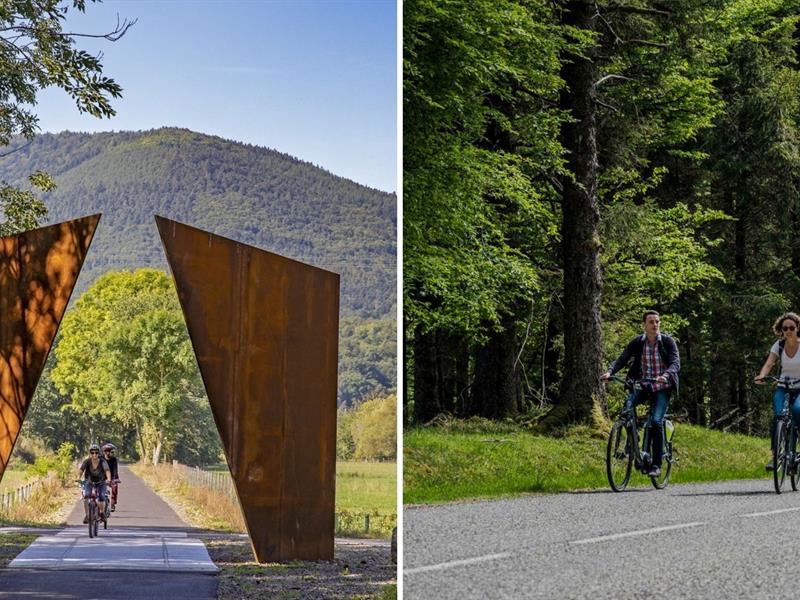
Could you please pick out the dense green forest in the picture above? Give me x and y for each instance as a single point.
(251, 194)
(569, 164)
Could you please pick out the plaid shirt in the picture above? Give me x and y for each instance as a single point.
(652, 364)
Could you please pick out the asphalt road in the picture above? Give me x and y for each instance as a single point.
(137, 506)
(726, 540)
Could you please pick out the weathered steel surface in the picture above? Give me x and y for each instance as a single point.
(265, 332)
(38, 270)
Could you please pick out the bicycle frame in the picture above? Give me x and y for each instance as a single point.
(630, 422)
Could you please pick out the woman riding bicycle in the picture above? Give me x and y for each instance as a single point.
(94, 471)
(655, 357)
(785, 350)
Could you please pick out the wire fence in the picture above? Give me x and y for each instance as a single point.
(345, 522)
(21, 494)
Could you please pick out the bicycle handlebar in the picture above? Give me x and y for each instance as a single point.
(782, 381)
(633, 382)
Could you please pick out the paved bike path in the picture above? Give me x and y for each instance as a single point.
(147, 546)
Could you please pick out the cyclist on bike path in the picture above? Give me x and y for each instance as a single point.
(95, 470)
(108, 454)
(785, 350)
(655, 356)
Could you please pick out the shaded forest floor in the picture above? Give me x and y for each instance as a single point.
(481, 459)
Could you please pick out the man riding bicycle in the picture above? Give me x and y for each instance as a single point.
(655, 357)
(108, 454)
(94, 470)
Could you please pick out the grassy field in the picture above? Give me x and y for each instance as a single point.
(362, 487)
(482, 460)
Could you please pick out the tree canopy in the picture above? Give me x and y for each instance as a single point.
(124, 356)
(36, 52)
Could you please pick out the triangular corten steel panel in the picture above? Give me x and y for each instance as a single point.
(38, 270)
(265, 332)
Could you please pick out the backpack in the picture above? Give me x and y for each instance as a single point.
(781, 344)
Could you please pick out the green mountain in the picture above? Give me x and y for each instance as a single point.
(251, 194)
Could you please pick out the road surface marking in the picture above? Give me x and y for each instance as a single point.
(456, 563)
(772, 512)
(616, 536)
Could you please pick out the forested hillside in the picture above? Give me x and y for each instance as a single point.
(568, 165)
(251, 194)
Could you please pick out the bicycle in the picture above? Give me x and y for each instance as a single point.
(625, 449)
(93, 510)
(783, 454)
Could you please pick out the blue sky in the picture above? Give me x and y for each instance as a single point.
(314, 79)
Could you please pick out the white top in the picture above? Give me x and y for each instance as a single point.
(790, 367)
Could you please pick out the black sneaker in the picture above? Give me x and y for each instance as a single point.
(654, 472)
(770, 467)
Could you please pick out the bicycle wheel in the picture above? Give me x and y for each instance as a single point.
(96, 524)
(92, 517)
(791, 462)
(619, 456)
(662, 480)
(779, 457)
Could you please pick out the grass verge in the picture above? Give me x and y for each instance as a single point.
(12, 544)
(46, 507)
(357, 571)
(361, 489)
(479, 459)
(198, 506)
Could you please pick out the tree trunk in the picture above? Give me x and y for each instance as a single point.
(141, 441)
(581, 390)
(157, 448)
(795, 238)
(496, 388)
(426, 382)
(406, 374)
(551, 354)
(452, 364)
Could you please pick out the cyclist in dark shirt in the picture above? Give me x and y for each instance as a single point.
(108, 454)
(94, 470)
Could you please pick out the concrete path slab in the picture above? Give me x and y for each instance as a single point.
(150, 551)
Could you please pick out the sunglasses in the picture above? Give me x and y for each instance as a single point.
(94, 452)
(790, 328)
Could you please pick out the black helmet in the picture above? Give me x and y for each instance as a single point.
(109, 446)
(94, 447)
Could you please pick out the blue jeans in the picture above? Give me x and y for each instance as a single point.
(660, 402)
(794, 405)
(101, 490)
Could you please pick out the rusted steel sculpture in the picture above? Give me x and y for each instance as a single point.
(265, 332)
(38, 270)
